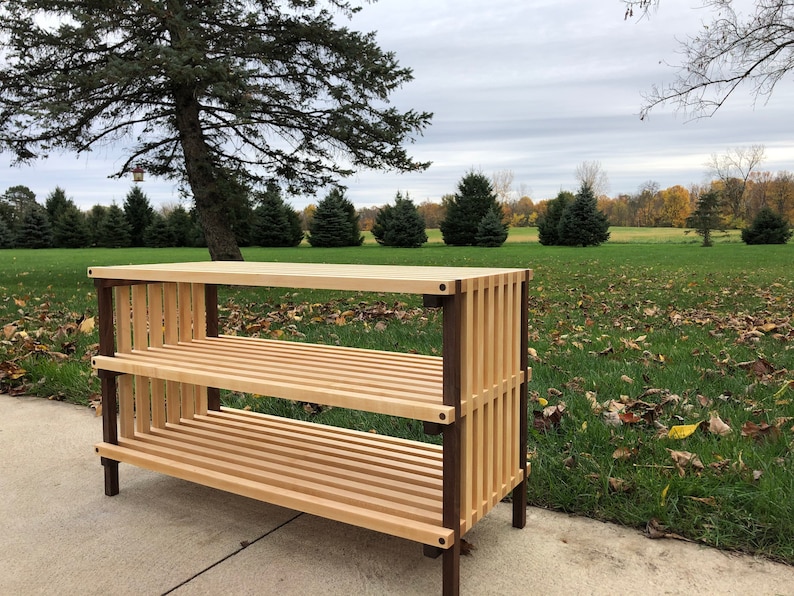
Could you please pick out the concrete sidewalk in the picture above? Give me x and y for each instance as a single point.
(61, 535)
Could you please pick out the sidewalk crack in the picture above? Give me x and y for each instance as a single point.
(243, 545)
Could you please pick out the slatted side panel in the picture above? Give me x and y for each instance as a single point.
(490, 391)
(154, 315)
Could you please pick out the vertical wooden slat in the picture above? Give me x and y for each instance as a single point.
(497, 427)
(140, 341)
(171, 336)
(467, 355)
(199, 331)
(124, 346)
(155, 295)
(185, 315)
(184, 310)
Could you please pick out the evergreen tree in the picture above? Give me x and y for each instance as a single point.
(70, 229)
(707, 217)
(202, 88)
(14, 202)
(114, 231)
(548, 225)
(401, 225)
(34, 230)
(768, 227)
(492, 231)
(158, 233)
(335, 222)
(182, 227)
(56, 203)
(276, 223)
(7, 239)
(139, 213)
(474, 199)
(94, 220)
(582, 223)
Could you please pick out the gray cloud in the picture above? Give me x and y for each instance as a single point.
(533, 87)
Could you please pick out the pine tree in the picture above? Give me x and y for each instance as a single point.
(182, 226)
(707, 217)
(548, 225)
(474, 199)
(401, 225)
(196, 91)
(114, 231)
(276, 223)
(94, 220)
(71, 230)
(139, 214)
(582, 223)
(492, 231)
(7, 239)
(34, 229)
(158, 233)
(335, 222)
(56, 203)
(768, 227)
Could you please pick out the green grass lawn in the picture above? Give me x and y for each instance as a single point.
(630, 339)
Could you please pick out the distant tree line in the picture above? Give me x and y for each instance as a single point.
(479, 213)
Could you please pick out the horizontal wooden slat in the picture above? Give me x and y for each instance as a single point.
(374, 491)
(368, 278)
(406, 385)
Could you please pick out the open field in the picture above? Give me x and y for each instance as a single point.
(629, 341)
(617, 236)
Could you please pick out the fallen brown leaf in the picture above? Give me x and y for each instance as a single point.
(717, 426)
(684, 460)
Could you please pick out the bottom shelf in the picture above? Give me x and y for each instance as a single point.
(373, 481)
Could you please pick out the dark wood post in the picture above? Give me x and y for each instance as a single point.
(211, 302)
(451, 350)
(108, 379)
(520, 491)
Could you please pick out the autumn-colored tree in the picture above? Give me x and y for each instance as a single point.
(675, 205)
(433, 213)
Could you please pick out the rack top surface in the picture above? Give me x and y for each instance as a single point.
(375, 278)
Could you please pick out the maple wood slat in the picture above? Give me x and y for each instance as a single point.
(403, 392)
(367, 278)
(323, 369)
(403, 521)
(373, 475)
(402, 486)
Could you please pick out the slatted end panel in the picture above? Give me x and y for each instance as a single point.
(150, 316)
(491, 382)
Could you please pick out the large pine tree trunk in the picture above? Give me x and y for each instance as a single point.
(211, 205)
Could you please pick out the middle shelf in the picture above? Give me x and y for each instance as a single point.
(392, 383)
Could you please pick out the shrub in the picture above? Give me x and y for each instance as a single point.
(401, 225)
(582, 223)
(768, 227)
(335, 222)
(466, 208)
(491, 231)
(548, 225)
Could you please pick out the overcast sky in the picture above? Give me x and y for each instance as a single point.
(534, 87)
